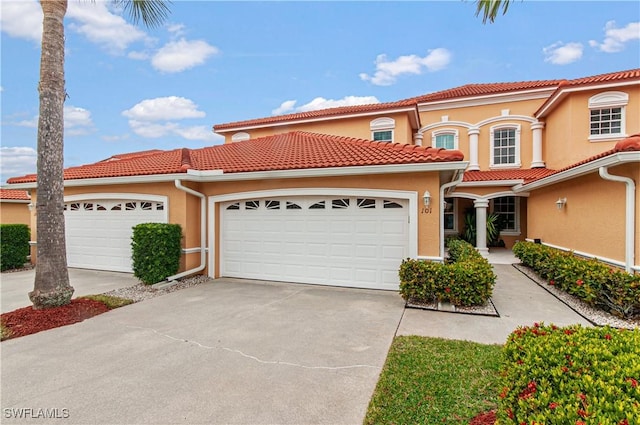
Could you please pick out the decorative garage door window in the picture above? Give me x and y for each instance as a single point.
(328, 240)
(98, 231)
(113, 206)
(334, 203)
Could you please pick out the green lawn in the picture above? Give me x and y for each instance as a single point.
(435, 381)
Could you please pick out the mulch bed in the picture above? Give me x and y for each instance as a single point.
(27, 320)
(486, 418)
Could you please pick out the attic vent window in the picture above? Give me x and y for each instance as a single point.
(239, 137)
(607, 115)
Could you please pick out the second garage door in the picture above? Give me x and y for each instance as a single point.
(99, 231)
(339, 241)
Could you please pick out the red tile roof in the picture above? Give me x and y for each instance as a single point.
(586, 83)
(289, 151)
(496, 175)
(467, 90)
(471, 90)
(132, 155)
(14, 195)
(302, 116)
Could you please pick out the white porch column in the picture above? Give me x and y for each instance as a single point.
(481, 206)
(536, 129)
(417, 139)
(473, 149)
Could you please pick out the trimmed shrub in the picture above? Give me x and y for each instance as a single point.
(466, 280)
(14, 246)
(156, 251)
(570, 375)
(594, 282)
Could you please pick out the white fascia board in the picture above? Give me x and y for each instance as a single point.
(590, 167)
(316, 119)
(337, 171)
(565, 92)
(14, 201)
(492, 183)
(486, 99)
(103, 181)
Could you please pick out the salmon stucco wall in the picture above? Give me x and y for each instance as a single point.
(566, 138)
(461, 119)
(15, 213)
(428, 221)
(592, 221)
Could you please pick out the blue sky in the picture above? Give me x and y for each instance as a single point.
(131, 88)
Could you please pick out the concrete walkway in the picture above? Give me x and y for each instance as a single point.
(519, 301)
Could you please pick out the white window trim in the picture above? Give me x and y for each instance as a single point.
(383, 124)
(445, 131)
(492, 129)
(609, 99)
(518, 230)
(94, 197)
(455, 218)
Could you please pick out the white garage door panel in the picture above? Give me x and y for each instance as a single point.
(352, 241)
(98, 232)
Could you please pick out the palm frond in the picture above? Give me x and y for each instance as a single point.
(490, 9)
(152, 13)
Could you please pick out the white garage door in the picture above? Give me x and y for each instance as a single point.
(341, 241)
(99, 232)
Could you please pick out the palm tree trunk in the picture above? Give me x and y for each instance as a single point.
(51, 287)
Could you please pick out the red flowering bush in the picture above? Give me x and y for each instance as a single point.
(571, 375)
(467, 281)
(592, 281)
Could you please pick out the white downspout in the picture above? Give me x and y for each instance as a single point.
(443, 188)
(203, 232)
(630, 215)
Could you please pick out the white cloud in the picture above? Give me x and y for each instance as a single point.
(21, 19)
(615, 38)
(152, 130)
(562, 54)
(322, 103)
(177, 56)
(285, 107)
(95, 21)
(77, 121)
(176, 29)
(17, 161)
(155, 118)
(388, 71)
(198, 132)
(31, 123)
(169, 108)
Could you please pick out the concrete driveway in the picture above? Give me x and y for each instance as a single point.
(225, 352)
(15, 286)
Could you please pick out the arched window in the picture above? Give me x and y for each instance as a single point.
(607, 115)
(382, 129)
(445, 138)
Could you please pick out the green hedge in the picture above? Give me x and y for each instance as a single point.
(570, 375)
(596, 283)
(14, 248)
(156, 251)
(466, 280)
